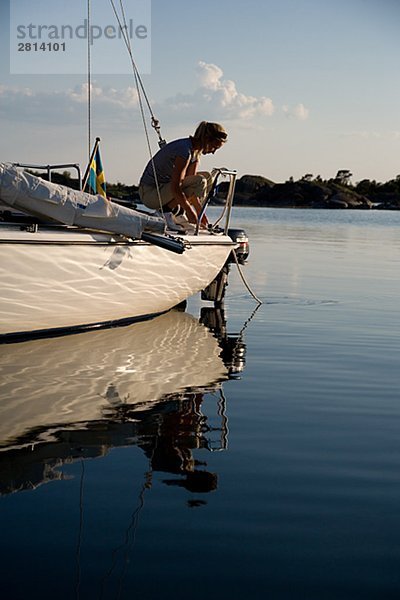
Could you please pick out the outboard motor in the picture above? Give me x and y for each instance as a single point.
(242, 251)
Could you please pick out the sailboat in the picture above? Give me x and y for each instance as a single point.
(56, 277)
(70, 260)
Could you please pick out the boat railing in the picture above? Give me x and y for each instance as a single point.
(227, 203)
(51, 168)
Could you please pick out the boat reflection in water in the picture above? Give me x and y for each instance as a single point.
(79, 396)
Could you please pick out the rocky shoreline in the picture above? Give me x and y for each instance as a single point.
(254, 190)
(307, 192)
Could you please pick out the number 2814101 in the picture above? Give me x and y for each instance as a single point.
(41, 47)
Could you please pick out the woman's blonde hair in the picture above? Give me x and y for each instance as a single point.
(207, 133)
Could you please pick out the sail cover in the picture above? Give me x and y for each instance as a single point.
(47, 200)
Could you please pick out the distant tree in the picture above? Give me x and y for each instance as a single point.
(364, 187)
(343, 176)
(390, 187)
(307, 177)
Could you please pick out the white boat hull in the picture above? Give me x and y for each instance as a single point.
(57, 278)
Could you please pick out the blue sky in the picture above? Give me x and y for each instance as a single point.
(302, 86)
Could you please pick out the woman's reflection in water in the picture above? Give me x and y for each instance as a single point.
(170, 449)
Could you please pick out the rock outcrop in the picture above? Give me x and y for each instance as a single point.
(253, 190)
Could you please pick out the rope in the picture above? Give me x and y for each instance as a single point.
(140, 90)
(244, 280)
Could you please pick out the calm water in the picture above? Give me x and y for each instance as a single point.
(257, 460)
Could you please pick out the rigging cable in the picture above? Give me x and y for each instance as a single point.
(124, 29)
(89, 82)
(80, 532)
(141, 90)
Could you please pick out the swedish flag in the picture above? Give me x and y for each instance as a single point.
(96, 183)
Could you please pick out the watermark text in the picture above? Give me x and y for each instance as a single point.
(54, 37)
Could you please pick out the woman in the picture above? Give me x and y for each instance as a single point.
(170, 180)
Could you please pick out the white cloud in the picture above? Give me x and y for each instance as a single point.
(215, 98)
(222, 97)
(219, 98)
(123, 99)
(209, 75)
(48, 107)
(299, 111)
